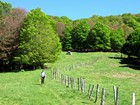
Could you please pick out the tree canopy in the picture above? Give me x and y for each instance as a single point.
(132, 45)
(9, 34)
(38, 42)
(79, 35)
(101, 40)
(117, 39)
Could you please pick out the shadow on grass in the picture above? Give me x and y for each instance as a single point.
(133, 63)
(13, 71)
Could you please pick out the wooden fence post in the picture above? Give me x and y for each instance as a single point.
(52, 77)
(103, 96)
(91, 92)
(82, 84)
(117, 91)
(55, 75)
(61, 78)
(58, 76)
(74, 83)
(97, 90)
(78, 80)
(51, 74)
(114, 90)
(71, 81)
(115, 95)
(133, 99)
(66, 80)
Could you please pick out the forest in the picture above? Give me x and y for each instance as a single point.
(30, 39)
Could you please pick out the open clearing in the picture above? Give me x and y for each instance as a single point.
(23, 88)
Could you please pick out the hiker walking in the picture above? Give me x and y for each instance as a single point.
(42, 75)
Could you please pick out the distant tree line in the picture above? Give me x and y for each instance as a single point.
(30, 39)
(111, 33)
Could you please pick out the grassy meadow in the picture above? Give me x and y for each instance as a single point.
(23, 88)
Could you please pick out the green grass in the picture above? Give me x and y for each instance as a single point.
(23, 88)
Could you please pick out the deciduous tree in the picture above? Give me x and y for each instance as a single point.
(67, 39)
(132, 45)
(79, 35)
(117, 39)
(101, 37)
(38, 42)
(10, 26)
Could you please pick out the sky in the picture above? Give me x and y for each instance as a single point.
(77, 9)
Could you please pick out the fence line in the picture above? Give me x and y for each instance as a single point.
(79, 83)
(81, 64)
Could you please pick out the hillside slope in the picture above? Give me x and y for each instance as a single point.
(23, 88)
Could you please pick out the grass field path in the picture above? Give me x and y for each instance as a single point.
(62, 101)
(62, 95)
(51, 87)
(23, 88)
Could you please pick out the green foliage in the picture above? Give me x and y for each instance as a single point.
(133, 23)
(60, 23)
(91, 39)
(131, 20)
(38, 41)
(132, 45)
(4, 8)
(66, 20)
(101, 40)
(117, 39)
(79, 35)
(66, 39)
(119, 27)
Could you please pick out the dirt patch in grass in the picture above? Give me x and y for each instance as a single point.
(123, 75)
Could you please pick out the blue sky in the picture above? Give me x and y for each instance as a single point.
(77, 9)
